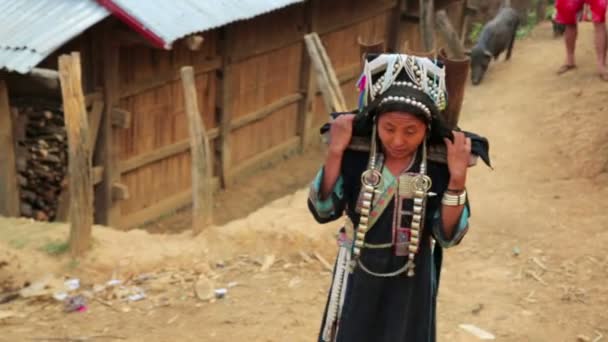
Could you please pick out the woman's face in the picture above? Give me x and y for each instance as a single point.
(400, 133)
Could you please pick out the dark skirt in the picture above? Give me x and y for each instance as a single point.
(390, 309)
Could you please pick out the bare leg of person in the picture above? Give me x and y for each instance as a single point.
(600, 49)
(570, 39)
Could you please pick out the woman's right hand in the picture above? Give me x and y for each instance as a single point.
(340, 133)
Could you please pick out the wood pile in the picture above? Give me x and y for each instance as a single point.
(41, 156)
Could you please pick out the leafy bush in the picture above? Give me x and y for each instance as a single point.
(475, 31)
(526, 27)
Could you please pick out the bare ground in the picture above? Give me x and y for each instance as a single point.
(532, 268)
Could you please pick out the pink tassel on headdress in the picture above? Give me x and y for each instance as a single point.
(362, 82)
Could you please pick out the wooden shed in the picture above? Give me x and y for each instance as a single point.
(256, 93)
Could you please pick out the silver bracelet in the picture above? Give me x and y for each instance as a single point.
(454, 200)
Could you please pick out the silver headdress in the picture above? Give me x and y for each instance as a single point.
(400, 70)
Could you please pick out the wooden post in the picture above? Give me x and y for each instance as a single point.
(107, 210)
(79, 152)
(394, 25)
(449, 35)
(226, 112)
(322, 82)
(324, 74)
(9, 192)
(331, 75)
(200, 152)
(63, 207)
(426, 24)
(307, 88)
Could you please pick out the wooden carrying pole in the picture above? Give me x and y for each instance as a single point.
(79, 153)
(202, 191)
(9, 192)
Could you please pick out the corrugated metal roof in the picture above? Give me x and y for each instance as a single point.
(30, 30)
(171, 20)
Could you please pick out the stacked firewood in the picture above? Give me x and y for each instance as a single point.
(41, 156)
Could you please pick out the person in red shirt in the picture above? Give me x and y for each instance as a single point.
(567, 14)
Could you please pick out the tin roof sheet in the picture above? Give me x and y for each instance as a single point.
(171, 20)
(33, 29)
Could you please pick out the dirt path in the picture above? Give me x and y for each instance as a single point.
(532, 268)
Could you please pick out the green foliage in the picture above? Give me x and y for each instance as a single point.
(550, 12)
(56, 247)
(475, 30)
(530, 22)
(18, 243)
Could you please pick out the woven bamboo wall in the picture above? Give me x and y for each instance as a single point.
(152, 91)
(264, 68)
(257, 83)
(370, 22)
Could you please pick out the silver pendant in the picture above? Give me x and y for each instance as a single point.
(371, 178)
(410, 183)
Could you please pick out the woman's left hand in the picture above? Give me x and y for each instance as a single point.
(458, 155)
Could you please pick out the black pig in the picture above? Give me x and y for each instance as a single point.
(496, 36)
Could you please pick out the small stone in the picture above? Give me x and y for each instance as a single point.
(4, 314)
(203, 288)
(268, 261)
(173, 319)
(294, 282)
(477, 309)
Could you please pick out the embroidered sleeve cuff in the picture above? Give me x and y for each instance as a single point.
(459, 232)
(325, 208)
